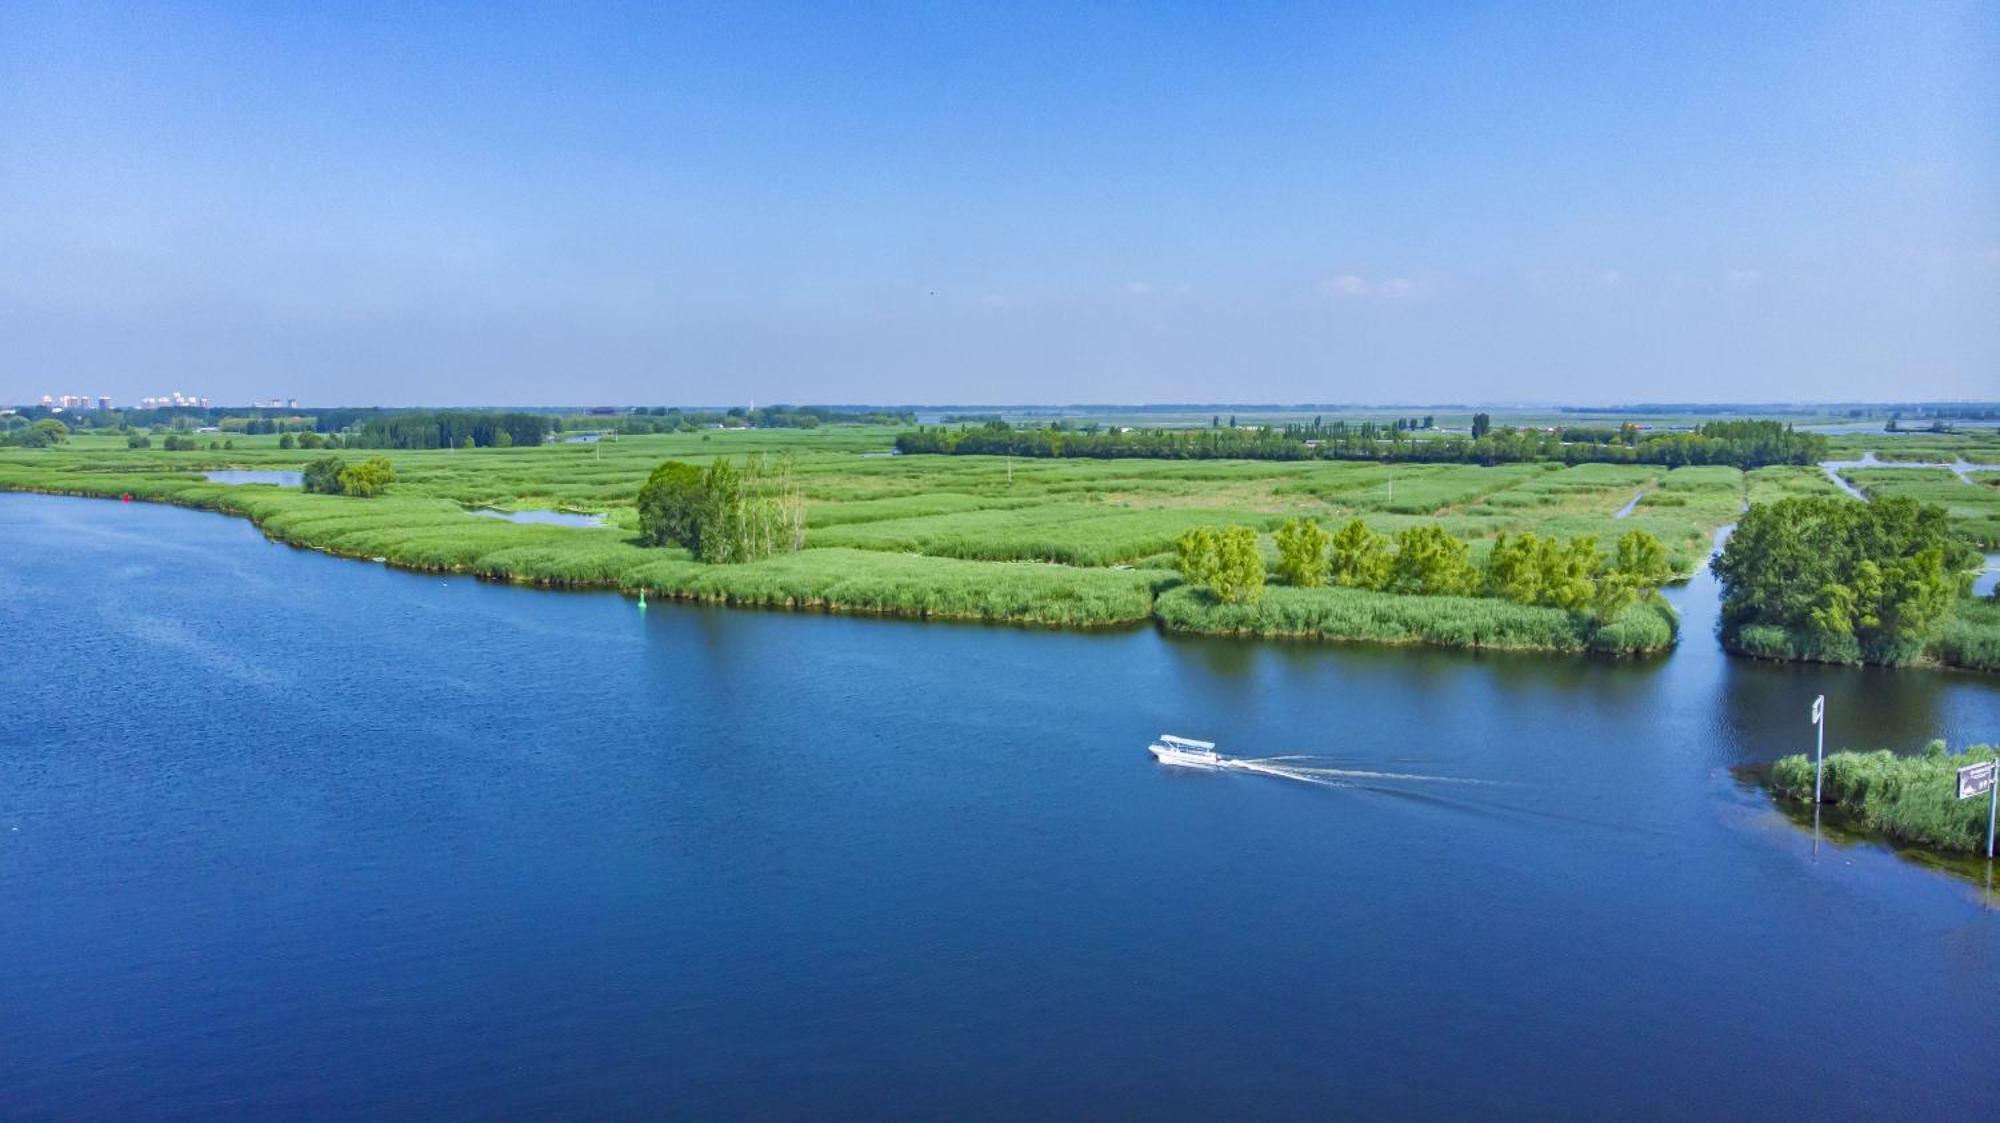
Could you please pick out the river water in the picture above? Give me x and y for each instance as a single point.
(285, 834)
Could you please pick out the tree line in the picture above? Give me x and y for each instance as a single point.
(1741, 444)
(723, 513)
(450, 428)
(673, 419)
(1427, 560)
(1838, 581)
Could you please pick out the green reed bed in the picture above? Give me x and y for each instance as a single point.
(1971, 638)
(1912, 799)
(1768, 485)
(1973, 507)
(908, 585)
(1076, 534)
(1359, 615)
(920, 505)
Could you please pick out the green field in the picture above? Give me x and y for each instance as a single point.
(1974, 504)
(1059, 542)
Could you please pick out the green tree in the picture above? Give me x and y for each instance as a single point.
(138, 440)
(1514, 568)
(368, 478)
(288, 441)
(1302, 560)
(1845, 581)
(1360, 556)
(1569, 572)
(1429, 561)
(1481, 424)
(671, 506)
(322, 476)
(42, 434)
(1196, 553)
(1239, 567)
(723, 513)
(1642, 560)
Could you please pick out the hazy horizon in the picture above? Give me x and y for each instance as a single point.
(1269, 204)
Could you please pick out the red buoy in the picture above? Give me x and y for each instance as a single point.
(127, 497)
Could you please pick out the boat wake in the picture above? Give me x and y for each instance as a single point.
(1301, 769)
(1186, 752)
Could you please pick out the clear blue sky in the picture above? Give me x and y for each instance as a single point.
(1401, 202)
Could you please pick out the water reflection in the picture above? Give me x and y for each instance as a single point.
(542, 517)
(245, 476)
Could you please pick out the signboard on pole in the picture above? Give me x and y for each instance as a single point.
(1976, 779)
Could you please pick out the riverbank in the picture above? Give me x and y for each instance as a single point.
(1969, 640)
(1360, 615)
(439, 536)
(435, 535)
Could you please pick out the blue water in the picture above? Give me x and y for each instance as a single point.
(250, 476)
(544, 517)
(284, 834)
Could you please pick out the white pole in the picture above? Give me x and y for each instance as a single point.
(1992, 810)
(1819, 765)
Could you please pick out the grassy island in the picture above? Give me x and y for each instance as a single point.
(1911, 799)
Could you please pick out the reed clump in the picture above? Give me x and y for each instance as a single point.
(1911, 799)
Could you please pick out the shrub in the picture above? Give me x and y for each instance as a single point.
(1226, 560)
(368, 478)
(1359, 556)
(322, 476)
(1429, 561)
(1302, 559)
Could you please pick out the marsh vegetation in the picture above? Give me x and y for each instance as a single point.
(1057, 541)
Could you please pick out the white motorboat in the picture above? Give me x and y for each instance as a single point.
(1184, 751)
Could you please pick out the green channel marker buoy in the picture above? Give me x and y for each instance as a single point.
(642, 600)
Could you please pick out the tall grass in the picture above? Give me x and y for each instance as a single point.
(1908, 798)
(1360, 615)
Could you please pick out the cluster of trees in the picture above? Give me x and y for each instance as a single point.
(1842, 581)
(309, 439)
(1427, 560)
(672, 419)
(1742, 444)
(450, 429)
(1226, 560)
(177, 442)
(45, 433)
(1320, 429)
(723, 513)
(261, 424)
(364, 479)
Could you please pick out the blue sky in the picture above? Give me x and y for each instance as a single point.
(966, 203)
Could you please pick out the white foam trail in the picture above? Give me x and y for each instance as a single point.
(1269, 769)
(1279, 766)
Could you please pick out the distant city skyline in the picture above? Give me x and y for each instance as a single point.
(373, 204)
